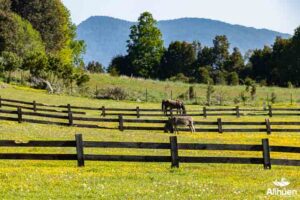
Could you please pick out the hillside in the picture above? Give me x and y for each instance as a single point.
(106, 37)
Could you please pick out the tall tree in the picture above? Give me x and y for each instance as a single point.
(145, 46)
(220, 50)
(17, 35)
(179, 58)
(235, 62)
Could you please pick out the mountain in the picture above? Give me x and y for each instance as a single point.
(106, 37)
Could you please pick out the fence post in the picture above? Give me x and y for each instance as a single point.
(34, 106)
(174, 152)
(79, 150)
(237, 111)
(268, 126)
(266, 154)
(121, 123)
(204, 112)
(103, 111)
(69, 107)
(19, 112)
(270, 111)
(138, 112)
(220, 129)
(70, 117)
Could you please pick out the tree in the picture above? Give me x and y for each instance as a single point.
(209, 91)
(233, 78)
(145, 46)
(5, 5)
(36, 63)
(119, 66)
(95, 67)
(220, 51)
(55, 28)
(204, 76)
(11, 62)
(235, 62)
(179, 58)
(18, 36)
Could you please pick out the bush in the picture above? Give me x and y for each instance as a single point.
(114, 93)
(179, 77)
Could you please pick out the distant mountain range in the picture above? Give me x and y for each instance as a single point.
(106, 37)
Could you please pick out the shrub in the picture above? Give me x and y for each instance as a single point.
(179, 77)
(114, 93)
(273, 98)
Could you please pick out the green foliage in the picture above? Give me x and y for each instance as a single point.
(178, 58)
(18, 36)
(10, 62)
(209, 91)
(5, 5)
(273, 98)
(36, 63)
(95, 67)
(204, 76)
(244, 98)
(220, 78)
(119, 66)
(179, 77)
(145, 46)
(233, 78)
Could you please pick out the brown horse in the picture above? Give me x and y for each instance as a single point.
(173, 123)
(171, 104)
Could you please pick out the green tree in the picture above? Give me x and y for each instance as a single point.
(204, 76)
(18, 36)
(235, 62)
(233, 78)
(36, 63)
(179, 58)
(95, 67)
(145, 46)
(220, 51)
(11, 62)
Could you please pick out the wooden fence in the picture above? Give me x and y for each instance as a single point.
(122, 124)
(139, 112)
(174, 158)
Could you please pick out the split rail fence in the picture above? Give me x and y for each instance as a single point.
(122, 124)
(139, 112)
(174, 158)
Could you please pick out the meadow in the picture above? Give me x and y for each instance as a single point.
(123, 180)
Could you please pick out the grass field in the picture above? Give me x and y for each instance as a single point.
(158, 90)
(121, 180)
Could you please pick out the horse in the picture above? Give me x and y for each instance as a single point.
(171, 104)
(173, 123)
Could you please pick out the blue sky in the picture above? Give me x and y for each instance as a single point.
(279, 15)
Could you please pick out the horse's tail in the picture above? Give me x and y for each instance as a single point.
(183, 109)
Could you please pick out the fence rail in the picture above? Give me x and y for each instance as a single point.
(174, 158)
(122, 124)
(141, 112)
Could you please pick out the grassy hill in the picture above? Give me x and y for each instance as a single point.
(158, 90)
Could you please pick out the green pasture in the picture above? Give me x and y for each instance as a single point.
(123, 180)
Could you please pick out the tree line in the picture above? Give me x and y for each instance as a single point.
(38, 38)
(191, 62)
